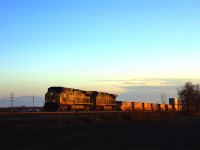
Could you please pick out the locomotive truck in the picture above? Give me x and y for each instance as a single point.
(67, 99)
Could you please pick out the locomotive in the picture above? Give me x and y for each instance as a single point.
(68, 99)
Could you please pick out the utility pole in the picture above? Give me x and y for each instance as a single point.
(11, 101)
(33, 101)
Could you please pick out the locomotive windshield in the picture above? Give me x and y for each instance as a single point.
(55, 89)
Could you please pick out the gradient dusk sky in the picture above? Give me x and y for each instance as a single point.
(137, 49)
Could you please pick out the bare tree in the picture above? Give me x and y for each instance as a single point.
(163, 98)
(189, 94)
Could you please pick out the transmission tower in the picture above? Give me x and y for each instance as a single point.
(11, 101)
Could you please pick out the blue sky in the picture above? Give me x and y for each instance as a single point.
(135, 48)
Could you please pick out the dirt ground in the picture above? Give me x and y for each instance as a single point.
(96, 132)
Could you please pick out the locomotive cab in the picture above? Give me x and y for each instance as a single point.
(52, 99)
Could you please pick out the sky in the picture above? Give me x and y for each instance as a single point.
(137, 49)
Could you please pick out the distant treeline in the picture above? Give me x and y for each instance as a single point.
(20, 109)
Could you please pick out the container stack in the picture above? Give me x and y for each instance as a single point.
(175, 102)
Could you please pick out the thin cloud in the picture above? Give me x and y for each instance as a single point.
(149, 82)
(146, 89)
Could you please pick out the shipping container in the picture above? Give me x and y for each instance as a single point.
(126, 106)
(155, 107)
(162, 107)
(147, 106)
(173, 101)
(137, 106)
(169, 107)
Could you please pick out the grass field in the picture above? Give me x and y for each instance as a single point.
(98, 131)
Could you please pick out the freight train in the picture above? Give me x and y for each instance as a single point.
(70, 99)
